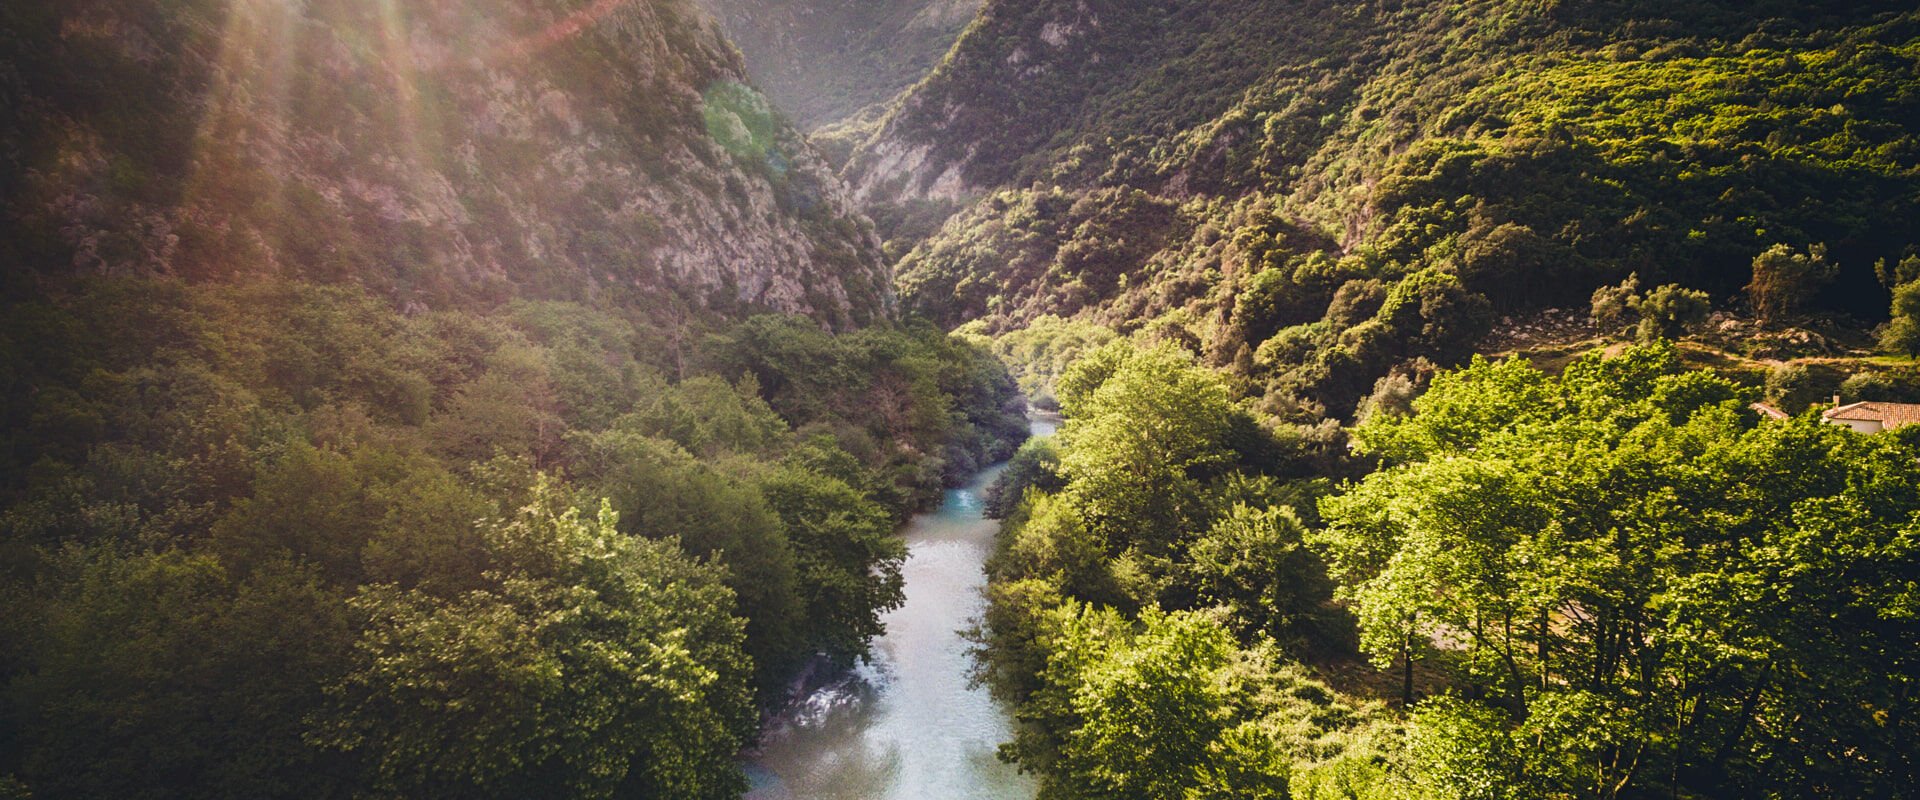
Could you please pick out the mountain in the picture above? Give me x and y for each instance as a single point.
(826, 61)
(433, 152)
(390, 406)
(1317, 192)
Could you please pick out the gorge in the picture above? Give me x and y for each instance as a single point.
(1075, 399)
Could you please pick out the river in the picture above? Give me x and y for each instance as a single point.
(907, 726)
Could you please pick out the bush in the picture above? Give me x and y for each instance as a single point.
(1670, 311)
(1784, 281)
(1614, 307)
(1902, 334)
(1794, 387)
(1886, 387)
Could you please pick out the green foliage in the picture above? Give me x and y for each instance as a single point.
(1892, 275)
(1783, 281)
(1588, 552)
(1462, 751)
(740, 120)
(1141, 484)
(847, 556)
(659, 491)
(710, 417)
(1614, 306)
(1794, 387)
(1254, 564)
(891, 396)
(1902, 334)
(591, 663)
(162, 674)
(218, 501)
(1035, 466)
(1148, 554)
(1018, 255)
(1226, 720)
(1885, 386)
(1533, 153)
(1429, 316)
(1173, 677)
(1670, 311)
(1038, 354)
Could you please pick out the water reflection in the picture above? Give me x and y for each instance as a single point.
(908, 726)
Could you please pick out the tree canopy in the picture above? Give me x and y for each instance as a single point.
(1642, 587)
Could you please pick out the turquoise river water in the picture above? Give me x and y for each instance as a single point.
(908, 726)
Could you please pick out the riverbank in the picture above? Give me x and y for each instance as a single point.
(908, 724)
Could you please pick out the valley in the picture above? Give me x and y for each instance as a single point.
(1013, 399)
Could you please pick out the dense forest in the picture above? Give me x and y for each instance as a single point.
(1295, 539)
(403, 400)
(1315, 195)
(506, 399)
(277, 539)
(1611, 582)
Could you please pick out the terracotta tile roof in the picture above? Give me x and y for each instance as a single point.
(1889, 415)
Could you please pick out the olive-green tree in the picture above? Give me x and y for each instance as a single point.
(594, 664)
(1670, 311)
(1902, 334)
(1784, 280)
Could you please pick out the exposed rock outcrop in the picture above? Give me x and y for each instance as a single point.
(440, 152)
(824, 61)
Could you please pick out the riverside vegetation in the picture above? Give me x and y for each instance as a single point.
(395, 406)
(1613, 582)
(276, 539)
(1296, 529)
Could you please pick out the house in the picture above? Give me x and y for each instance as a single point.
(1872, 417)
(1768, 411)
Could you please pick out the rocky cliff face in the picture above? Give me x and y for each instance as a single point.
(825, 61)
(440, 152)
(1029, 77)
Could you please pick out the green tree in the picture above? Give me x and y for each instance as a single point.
(1594, 559)
(1615, 308)
(370, 515)
(1036, 466)
(1794, 387)
(1906, 270)
(1140, 443)
(1784, 281)
(847, 555)
(659, 491)
(1253, 564)
(1464, 751)
(161, 675)
(593, 664)
(512, 408)
(1670, 311)
(1902, 334)
(1174, 675)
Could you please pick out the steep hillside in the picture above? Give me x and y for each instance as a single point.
(825, 61)
(1317, 192)
(388, 406)
(433, 152)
